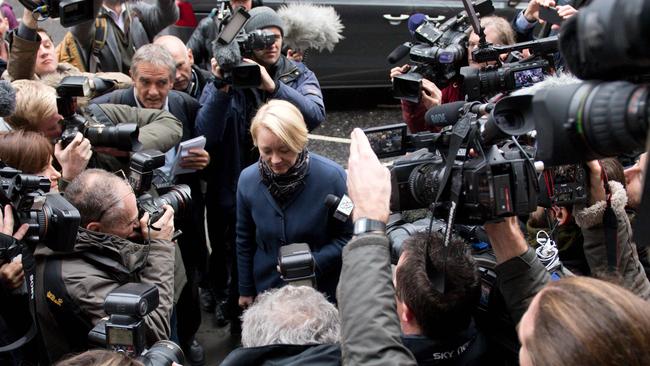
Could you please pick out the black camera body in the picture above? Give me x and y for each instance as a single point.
(297, 265)
(122, 137)
(440, 51)
(233, 43)
(69, 12)
(125, 330)
(501, 184)
(479, 83)
(143, 170)
(52, 220)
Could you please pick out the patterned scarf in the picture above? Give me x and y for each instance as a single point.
(283, 186)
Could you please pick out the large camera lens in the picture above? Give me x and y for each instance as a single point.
(163, 353)
(122, 137)
(179, 197)
(590, 120)
(424, 182)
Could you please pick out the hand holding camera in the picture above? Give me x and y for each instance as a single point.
(11, 273)
(532, 11)
(267, 84)
(162, 229)
(73, 158)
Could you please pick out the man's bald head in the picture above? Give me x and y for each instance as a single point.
(182, 57)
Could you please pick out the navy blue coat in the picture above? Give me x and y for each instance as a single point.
(263, 227)
(224, 120)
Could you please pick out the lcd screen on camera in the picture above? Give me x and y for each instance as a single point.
(119, 336)
(386, 142)
(528, 77)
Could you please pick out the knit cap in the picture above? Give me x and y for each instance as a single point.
(262, 17)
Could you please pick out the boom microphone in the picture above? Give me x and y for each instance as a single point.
(227, 56)
(7, 99)
(309, 26)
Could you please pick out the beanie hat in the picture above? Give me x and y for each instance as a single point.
(262, 17)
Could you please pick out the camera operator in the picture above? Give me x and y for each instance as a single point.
(292, 325)
(497, 31)
(33, 56)
(127, 27)
(72, 286)
(438, 327)
(200, 43)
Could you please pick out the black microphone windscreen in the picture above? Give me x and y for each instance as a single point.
(398, 53)
(331, 201)
(227, 56)
(443, 115)
(7, 99)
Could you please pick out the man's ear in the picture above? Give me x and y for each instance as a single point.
(407, 316)
(94, 226)
(190, 56)
(563, 215)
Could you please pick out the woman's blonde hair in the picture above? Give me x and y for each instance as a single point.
(284, 120)
(35, 102)
(585, 321)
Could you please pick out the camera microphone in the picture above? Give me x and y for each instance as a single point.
(343, 206)
(447, 114)
(399, 52)
(227, 56)
(415, 21)
(7, 99)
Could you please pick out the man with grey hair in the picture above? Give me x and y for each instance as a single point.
(153, 71)
(292, 325)
(72, 286)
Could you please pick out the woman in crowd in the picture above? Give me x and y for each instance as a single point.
(280, 201)
(585, 321)
(31, 153)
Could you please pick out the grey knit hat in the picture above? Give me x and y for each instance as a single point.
(262, 17)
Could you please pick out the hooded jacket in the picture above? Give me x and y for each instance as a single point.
(80, 281)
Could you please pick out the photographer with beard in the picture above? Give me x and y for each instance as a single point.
(71, 287)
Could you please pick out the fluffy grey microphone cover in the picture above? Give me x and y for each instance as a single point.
(310, 26)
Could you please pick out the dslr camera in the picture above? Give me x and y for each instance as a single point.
(438, 54)
(122, 137)
(52, 220)
(144, 173)
(233, 43)
(125, 331)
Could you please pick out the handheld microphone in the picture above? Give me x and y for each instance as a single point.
(344, 206)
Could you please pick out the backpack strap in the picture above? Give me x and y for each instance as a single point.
(101, 32)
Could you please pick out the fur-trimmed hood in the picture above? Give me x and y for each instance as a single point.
(587, 217)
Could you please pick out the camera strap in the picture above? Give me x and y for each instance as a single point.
(458, 135)
(29, 266)
(610, 226)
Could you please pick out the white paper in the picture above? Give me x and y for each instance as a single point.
(183, 151)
